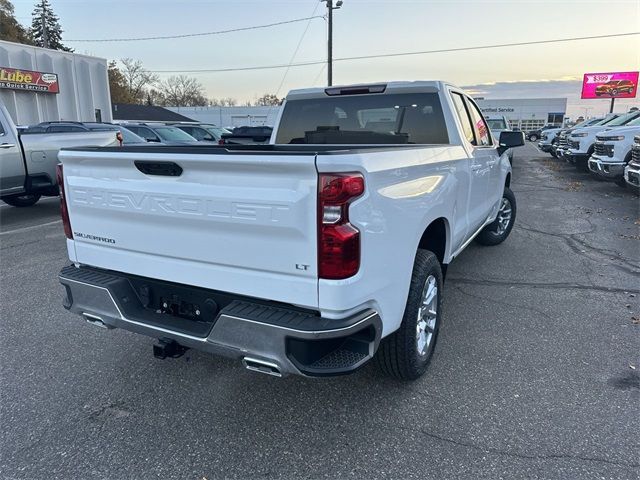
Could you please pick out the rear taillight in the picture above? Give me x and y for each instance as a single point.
(64, 212)
(338, 240)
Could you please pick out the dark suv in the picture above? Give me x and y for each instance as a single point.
(203, 132)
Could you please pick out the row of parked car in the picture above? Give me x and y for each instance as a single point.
(608, 147)
(161, 132)
(29, 154)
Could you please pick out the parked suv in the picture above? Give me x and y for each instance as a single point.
(534, 135)
(203, 132)
(613, 87)
(160, 133)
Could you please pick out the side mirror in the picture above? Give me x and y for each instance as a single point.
(510, 140)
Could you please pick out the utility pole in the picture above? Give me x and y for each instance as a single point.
(330, 9)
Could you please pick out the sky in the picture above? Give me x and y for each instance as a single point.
(367, 27)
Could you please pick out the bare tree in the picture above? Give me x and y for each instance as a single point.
(183, 91)
(266, 100)
(138, 79)
(224, 102)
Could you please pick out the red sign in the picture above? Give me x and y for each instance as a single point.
(18, 79)
(610, 85)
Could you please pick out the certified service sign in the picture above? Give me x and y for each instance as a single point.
(18, 79)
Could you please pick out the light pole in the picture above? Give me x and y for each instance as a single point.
(330, 9)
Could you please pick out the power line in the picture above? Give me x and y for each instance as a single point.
(202, 34)
(295, 52)
(400, 54)
(481, 47)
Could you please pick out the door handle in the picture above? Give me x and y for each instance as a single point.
(7, 145)
(475, 168)
(491, 163)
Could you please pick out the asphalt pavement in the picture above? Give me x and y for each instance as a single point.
(536, 372)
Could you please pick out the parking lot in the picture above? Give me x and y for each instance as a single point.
(536, 373)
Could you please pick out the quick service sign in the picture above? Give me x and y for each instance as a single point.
(17, 79)
(610, 85)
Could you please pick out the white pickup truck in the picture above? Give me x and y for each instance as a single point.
(306, 256)
(612, 152)
(581, 141)
(28, 162)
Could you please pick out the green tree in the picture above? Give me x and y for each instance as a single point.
(46, 28)
(118, 85)
(10, 28)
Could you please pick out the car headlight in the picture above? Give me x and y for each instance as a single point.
(579, 134)
(616, 138)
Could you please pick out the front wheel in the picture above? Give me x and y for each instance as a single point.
(533, 138)
(405, 354)
(21, 200)
(498, 231)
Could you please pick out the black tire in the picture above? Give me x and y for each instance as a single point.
(398, 355)
(553, 154)
(495, 233)
(533, 138)
(21, 200)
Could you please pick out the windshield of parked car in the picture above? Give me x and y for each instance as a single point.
(634, 123)
(217, 132)
(364, 119)
(623, 119)
(497, 124)
(173, 134)
(129, 137)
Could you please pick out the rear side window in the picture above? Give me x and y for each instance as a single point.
(463, 115)
(364, 119)
(481, 128)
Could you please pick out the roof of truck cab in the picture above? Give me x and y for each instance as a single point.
(423, 86)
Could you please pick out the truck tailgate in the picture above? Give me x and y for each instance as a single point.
(242, 222)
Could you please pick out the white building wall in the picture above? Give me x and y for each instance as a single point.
(83, 81)
(231, 116)
(524, 113)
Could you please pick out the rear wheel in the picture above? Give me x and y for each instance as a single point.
(533, 137)
(21, 200)
(498, 231)
(405, 354)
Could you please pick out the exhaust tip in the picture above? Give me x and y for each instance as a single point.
(96, 321)
(261, 366)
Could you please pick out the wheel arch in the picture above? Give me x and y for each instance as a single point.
(436, 238)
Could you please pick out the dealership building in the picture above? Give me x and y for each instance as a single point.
(526, 113)
(39, 84)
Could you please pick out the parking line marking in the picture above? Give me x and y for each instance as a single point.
(32, 227)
